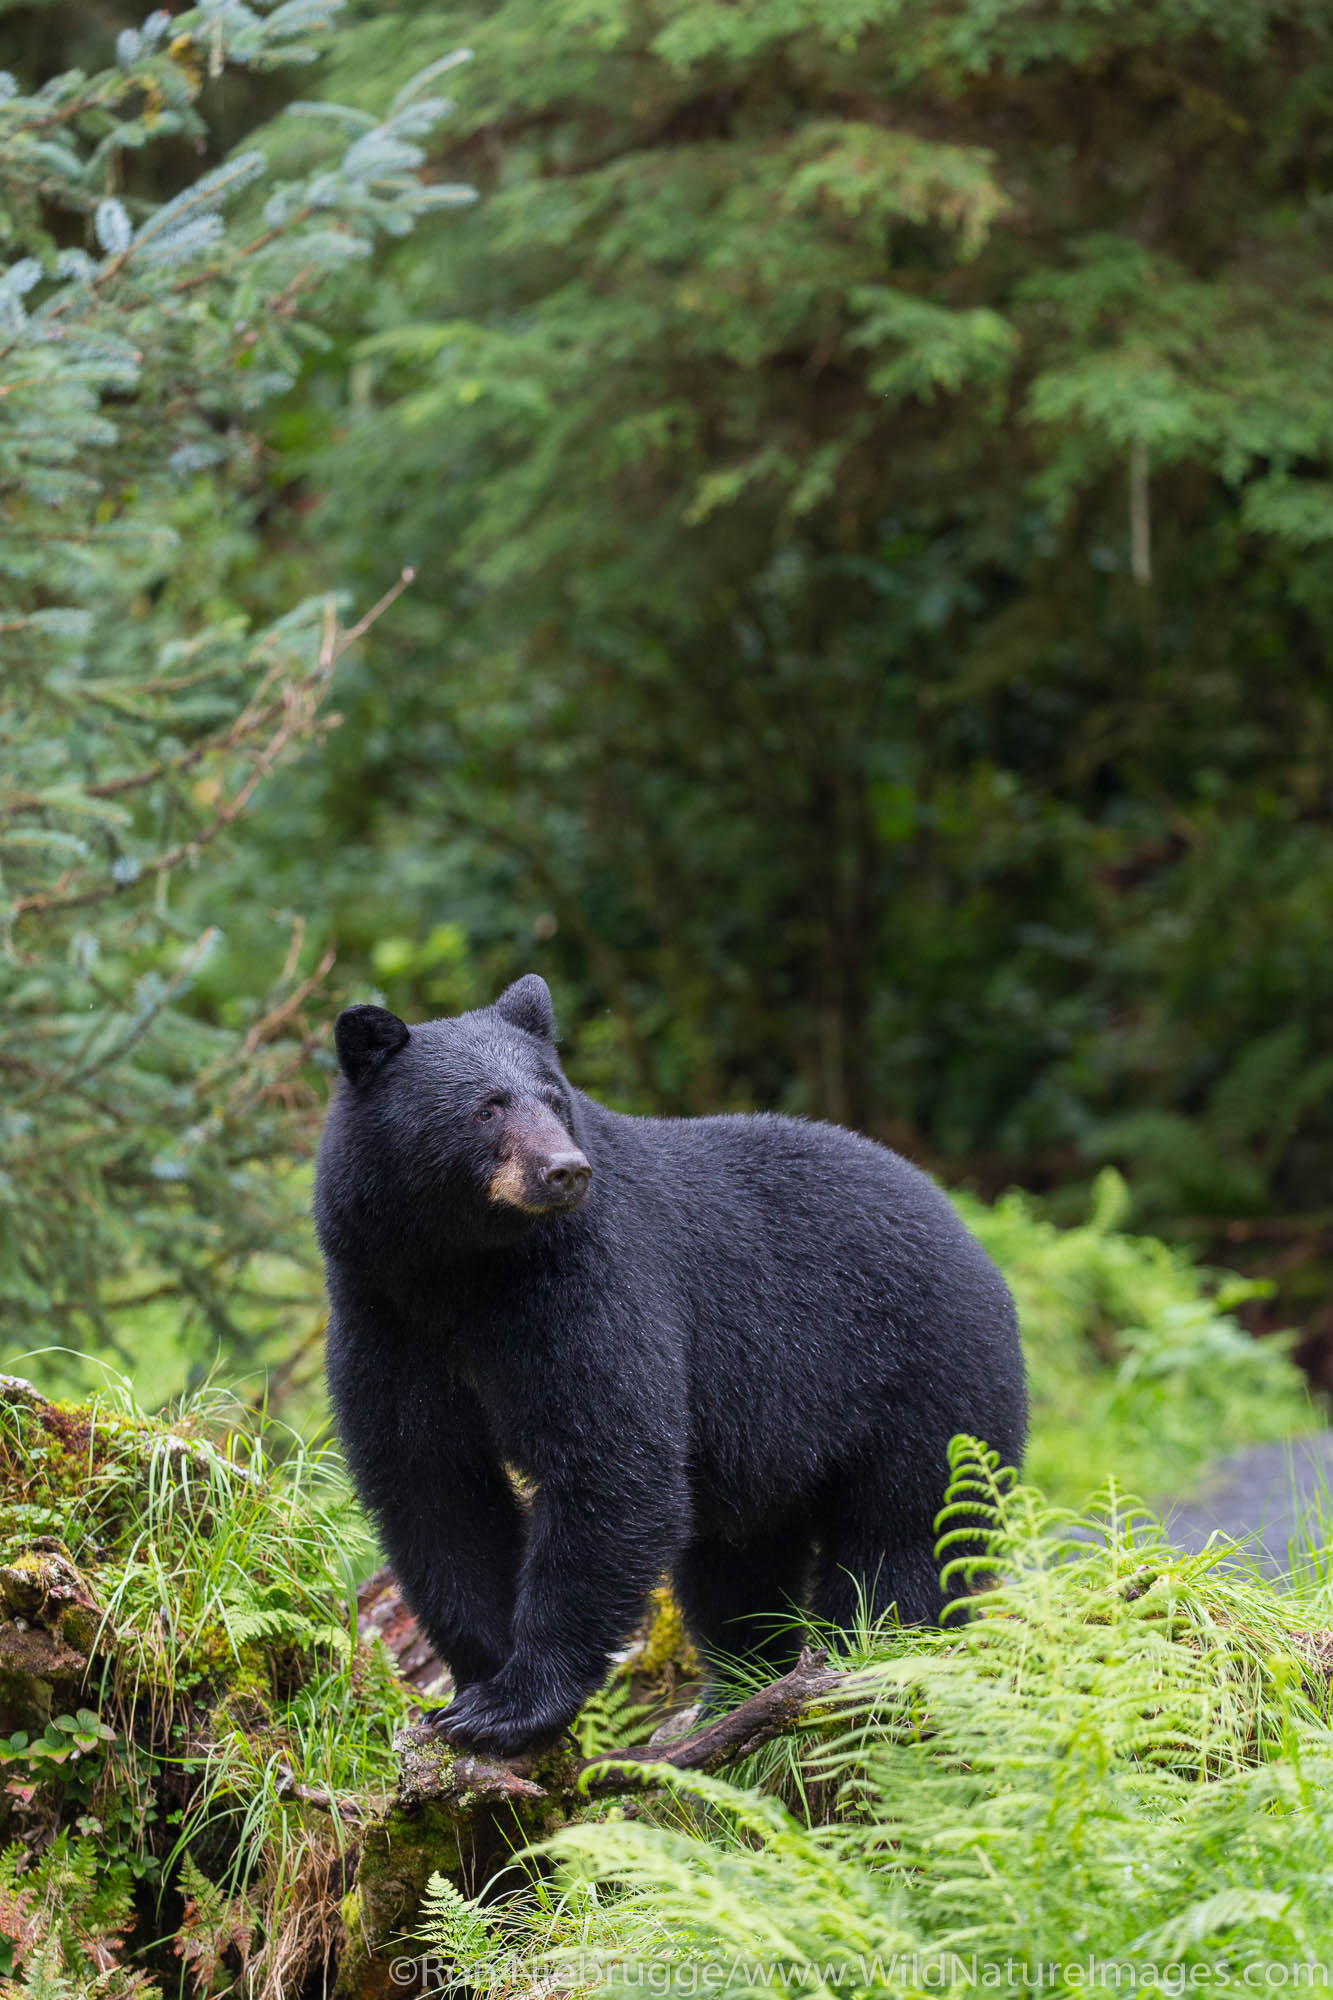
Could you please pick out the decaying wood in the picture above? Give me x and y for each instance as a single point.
(771, 1712)
(382, 1614)
(464, 1783)
(468, 1787)
(464, 1816)
(14, 1389)
(182, 1454)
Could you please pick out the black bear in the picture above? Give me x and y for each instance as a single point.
(730, 1350)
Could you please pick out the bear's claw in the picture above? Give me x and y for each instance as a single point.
(493, 1724)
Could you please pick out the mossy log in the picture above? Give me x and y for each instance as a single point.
(465, 1816)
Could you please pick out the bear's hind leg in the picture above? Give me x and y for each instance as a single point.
(853, 1584)
(871, 1557)
(741, 1600)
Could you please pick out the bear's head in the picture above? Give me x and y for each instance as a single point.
(471, 1116)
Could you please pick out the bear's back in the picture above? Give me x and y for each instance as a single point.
(825, 1288)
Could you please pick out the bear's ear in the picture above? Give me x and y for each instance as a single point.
(527, 1004)
(364, 1038)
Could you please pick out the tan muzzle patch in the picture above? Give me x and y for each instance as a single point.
(508, 1185)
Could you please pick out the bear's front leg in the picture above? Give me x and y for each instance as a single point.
(454, 1538)
(417, 1442)
(594, 1553)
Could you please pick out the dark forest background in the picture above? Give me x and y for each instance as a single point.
(866, 469)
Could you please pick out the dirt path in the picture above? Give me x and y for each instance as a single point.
(1281, 1495)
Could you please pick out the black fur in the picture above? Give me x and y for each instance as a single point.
(738, 1361)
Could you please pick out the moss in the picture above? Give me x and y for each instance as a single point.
(79, 1625)
(556, 1771)
(39, 1677)
(433, 1828)
(398, 1856)
(250, 1683)
(426, 1766)
(668, 1643)
(351, 1948)
(237, 1682)
(41, 1586)
(53, 1462)
(52, 1453)
(664, 1658)
(22, 1585)
(69, 1424)
(98, 1511)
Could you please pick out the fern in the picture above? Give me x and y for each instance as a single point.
(1123, 1753)
(213, 1924)
(1135, 1362)
(612, 1719)
(464, 1936)
(63, 1923)
(281, 1623)
(46, 1976)
(18, 1918)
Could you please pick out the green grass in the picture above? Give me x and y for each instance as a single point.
(1122, 1756)
(222, 1555)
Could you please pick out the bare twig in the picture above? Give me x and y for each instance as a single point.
(338, 1804)
(278, 1017)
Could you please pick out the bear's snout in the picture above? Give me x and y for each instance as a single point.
(541, 1175)
(567, 1176)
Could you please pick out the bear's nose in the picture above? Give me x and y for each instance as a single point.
(567, 1173)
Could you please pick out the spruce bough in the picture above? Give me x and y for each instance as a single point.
(141, 338)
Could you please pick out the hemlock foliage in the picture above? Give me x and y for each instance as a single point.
(870, 470)
(694, 723)
(1125, 1754)
(142, 337)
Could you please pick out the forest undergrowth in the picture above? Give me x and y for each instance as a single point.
(1121, 1752)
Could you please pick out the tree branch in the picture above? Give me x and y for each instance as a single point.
(771, 1712)
(467, 1786)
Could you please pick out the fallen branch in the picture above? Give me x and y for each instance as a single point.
(771, 1712)
(433, 1773)
(465, 1816)
(339, 1805)
(16, 1389)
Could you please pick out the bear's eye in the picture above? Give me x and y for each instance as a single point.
(490, 1109)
